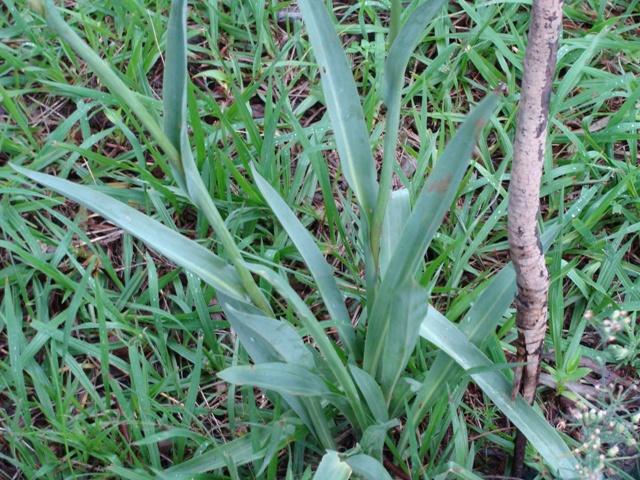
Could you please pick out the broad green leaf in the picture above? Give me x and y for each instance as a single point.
(322, 341)
(343, 104)
(318, 266)
(175, 125)
(403, 46)
(398, 211)
(367, 468)
(179, 249)
(267, 339)
(279, 377)
(372, 440)
(174, 80)
(480, 322)
(401, 339)
(371, 392)
(332, 468)
(433, 202)
(447, 337)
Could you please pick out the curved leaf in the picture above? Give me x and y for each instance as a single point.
(481, 321)
(403, 46)
(332, 468)
(343, 104)
(268, 339)
(368, 467)
(318, 266)
(447, 337)
(113, 82)
(280, 377)
(322, 341)
(177, 248)
(175, 126)
(371, 392)
(239, 452)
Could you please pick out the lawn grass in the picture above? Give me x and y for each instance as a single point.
(109, 354)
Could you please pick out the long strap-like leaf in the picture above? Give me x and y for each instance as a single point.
(175, 125)
(343, 104)
(177, 248)
(113, 82)
(427, 215)
(447, 337)
(399, 54)
(479, 323)
(318, 266)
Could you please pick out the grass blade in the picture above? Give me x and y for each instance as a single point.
(447, 337)
(343, 104)
(140, 390)
(113, 82)
(240, 451)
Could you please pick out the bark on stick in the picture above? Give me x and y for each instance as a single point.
(524, 200)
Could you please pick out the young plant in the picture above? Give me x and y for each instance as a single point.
(359, 375)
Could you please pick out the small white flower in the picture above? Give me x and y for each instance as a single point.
(619, 352)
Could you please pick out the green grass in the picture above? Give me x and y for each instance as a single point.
(109, 354)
